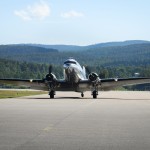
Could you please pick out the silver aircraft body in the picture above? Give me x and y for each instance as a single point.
(75, 79)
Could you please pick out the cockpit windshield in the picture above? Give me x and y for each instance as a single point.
(70, 62)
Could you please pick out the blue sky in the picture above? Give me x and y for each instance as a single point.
(73, 22)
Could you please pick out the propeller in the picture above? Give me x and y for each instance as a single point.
(91, 75)
(50, 76)
(50, 79)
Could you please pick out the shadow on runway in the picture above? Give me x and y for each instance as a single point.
(90, 98)
(128, 99)
(58, 98)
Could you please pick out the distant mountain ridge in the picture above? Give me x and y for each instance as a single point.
(78, 48)
(124, 43)
(60, 47)
(25, 48)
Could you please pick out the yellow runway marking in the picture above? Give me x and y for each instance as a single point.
(49, 128)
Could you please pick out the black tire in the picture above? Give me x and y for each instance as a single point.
(52, 94)
(82, 95)
(94, 94)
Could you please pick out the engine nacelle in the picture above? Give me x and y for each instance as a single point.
(93, 77)
(50, 77)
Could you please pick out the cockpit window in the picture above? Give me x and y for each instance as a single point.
(69, 62)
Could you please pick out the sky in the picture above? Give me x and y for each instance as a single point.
(73, 22)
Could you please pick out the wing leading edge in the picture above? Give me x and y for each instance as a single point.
(33, 84)
(108, 84)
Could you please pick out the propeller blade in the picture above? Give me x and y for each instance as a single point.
(87, 69)
(50, 69)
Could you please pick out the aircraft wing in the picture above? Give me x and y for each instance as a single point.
(83, 85)
(110, 84)
(33, 84)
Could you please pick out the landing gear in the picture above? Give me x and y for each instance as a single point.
(94, 93)
(82, 94)
(51, 94)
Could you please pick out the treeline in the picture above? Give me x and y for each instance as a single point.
(24, 70)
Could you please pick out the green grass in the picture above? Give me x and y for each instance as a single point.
(13, 94)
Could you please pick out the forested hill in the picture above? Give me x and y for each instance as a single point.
(124, 43)
(7, 50)
(138, 54)
(26, 53)
(93, 46)
(134, 54)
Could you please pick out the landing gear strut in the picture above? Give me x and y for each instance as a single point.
(51, 94)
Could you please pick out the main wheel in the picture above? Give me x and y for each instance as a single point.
(52, 93)
(94, 94)
(82, 95)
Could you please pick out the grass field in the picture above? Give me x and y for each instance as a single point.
(13, 94)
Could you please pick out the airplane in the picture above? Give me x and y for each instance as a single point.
(75, 79)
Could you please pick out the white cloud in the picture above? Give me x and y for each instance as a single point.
(38, 11)
(72, 14)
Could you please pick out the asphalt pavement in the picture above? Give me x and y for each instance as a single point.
(114, 121)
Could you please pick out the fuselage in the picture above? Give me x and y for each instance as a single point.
(73, 72)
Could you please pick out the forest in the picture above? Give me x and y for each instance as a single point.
(25, 70)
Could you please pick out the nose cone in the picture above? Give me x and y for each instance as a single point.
(69, 67)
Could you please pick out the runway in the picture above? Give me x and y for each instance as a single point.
(114, 121)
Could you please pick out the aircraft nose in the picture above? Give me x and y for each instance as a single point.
(66, 65)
